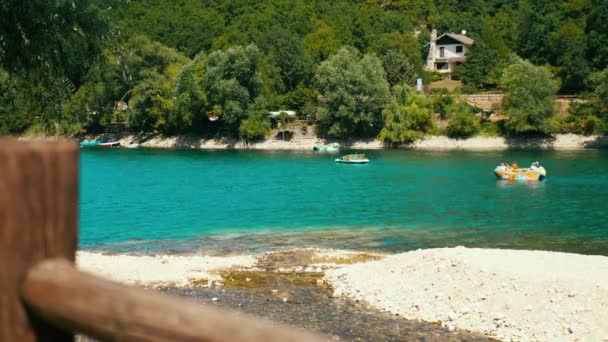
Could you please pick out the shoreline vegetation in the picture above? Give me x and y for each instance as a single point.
(504, 294)
(362, 76)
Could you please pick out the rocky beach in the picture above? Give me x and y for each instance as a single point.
(305, 142)
(510, 295)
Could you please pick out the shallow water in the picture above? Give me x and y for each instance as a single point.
(221, 202)
(315, 310)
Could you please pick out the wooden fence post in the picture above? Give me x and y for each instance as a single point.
(38, 220)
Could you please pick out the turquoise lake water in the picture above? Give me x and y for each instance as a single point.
(218, 202)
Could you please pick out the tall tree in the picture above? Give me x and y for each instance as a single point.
(232, 81)
(530, 98)
(407, 117)
(57, 36)
(354, 88)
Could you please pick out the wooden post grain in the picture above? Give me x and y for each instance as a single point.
(38, 220)
(77, 301)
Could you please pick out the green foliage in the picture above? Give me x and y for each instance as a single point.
(148, 71)
(135, 60)
(151, 103)
(530, 98)
(354, 88)
(583, 119)
(300, 98)
(399, 68)
(481, 67)
(190, 98)
(321, 43)
(599, 81)
(401, 57)
(64, 71)
(287, 51)
(441, 99)
(407, 116)
(232, 82)
(568, 46)
(463, 123)
(254, 128)
(59, 37)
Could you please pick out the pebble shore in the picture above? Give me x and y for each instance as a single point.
(301, 142)
(512, 295)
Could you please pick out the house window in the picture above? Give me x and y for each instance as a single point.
(441, 52)
(459, 49)
(443, 66)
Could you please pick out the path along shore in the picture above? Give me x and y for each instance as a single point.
(306, 142)
(507, 294)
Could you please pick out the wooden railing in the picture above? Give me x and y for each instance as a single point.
(43, 297)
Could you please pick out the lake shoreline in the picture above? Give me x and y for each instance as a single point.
(505, 294)
(306, 142)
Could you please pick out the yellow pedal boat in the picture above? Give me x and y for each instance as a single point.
(532, 174)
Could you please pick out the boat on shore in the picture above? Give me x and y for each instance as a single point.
(110, 144)
(94, 143)
(353, 159)
(523, 174)
(333, 147)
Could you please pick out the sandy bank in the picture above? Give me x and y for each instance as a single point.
(158, 270)
(183, 270)
(307, 142)
(519, 295)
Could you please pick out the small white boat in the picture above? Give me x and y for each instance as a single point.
(110, 144)
(134, 145)
(353, 159)
(333, 147)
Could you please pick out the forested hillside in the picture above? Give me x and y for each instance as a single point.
(174, 63)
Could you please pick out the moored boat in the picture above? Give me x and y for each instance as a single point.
(353, 159)
(333, 147)
(110, 144)
(525, 174)
(89, 143)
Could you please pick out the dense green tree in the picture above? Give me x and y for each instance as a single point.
(568, 46)
(321, 43)
(190, 98)
(480, 69)
(300, 98)
(13, 120)
(186, 26)
(287, 51)
(539, 18)
(407, 117)
(59, 37)
(151, 103)
(232, 81)
(148, 71)
(254, 128)
(597, 34)
(353, 88)
(399, 68)
(530, 98)
(66, 71)
(463, 123)
(442, 100)
(600, 90)
(133, 61)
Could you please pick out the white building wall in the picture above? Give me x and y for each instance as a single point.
(450, 51)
